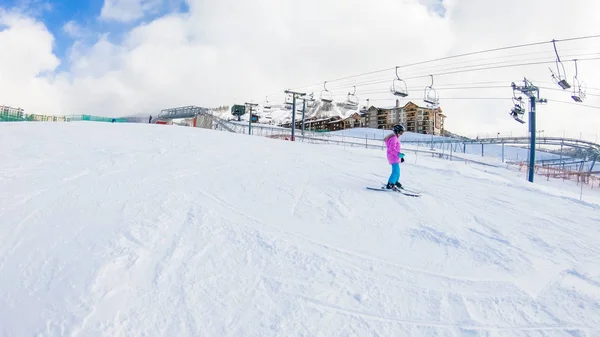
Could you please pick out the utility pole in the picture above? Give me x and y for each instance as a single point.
(250, 119)
(304, 99)
(540, 142)
(533, 93)
(294, 95)
(303, 115)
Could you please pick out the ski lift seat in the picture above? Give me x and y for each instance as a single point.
(399, 93)
(564, 84)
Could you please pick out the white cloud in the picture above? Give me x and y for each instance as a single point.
(227, 51)
(73, 29)
(33, 8)
(128, 10)
(26, 55)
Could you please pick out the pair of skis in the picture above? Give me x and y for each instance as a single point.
(399, 190)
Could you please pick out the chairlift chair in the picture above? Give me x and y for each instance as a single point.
(517, 117)
(326, 95)
(519, 107)
(311, 101)
(518, 110)
(288, 102)
(352, 100)
(431, 95)
(578, 91)
(579, 95)
(399, 87)
(266, 106)
(559, 78)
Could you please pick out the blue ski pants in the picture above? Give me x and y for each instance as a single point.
(395, 176)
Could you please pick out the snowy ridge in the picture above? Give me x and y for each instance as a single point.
(140, 229)
(278, 114)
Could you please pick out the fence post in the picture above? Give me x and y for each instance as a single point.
(417, 153)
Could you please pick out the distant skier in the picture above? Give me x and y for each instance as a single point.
(394, 156)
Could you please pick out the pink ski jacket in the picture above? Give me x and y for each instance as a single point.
(393, 149)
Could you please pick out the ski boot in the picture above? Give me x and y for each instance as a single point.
(391, 186)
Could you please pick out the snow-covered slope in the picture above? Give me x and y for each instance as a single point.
(147, 230)
(278, 114)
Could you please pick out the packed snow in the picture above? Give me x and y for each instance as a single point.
(149, 230)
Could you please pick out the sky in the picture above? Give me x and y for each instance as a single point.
(128, 57)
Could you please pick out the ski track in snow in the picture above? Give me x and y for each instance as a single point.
(126, 230)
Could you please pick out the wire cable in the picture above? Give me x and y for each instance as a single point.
(455, 56)
(470, 68)
(464, 71)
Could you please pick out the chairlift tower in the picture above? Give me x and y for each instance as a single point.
(250, 117)
(305, 98)
(533, 93)
(294, 95)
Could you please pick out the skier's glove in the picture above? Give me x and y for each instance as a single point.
(402, 160)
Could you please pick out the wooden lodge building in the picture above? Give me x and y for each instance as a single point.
(336, 123)
(415, 119)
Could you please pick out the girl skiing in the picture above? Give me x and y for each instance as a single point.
(394, 156)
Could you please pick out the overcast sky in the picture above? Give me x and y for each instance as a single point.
(122, 57)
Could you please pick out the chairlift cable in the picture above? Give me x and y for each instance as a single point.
(375, 81)
(372, 82)
(457, 56)
(494, 98)
(470, 70)
(452, 65)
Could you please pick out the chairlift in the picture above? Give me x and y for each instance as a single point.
(267, 106)
(431, 96)
(288, 102)
(578, 91)
(560, 78)
(311, 101)
(519, 107)
(326, 95)
(399, 87)
(518, 110)
(352, 101)
(517, 118)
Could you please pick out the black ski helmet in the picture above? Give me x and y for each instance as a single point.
(398, 128)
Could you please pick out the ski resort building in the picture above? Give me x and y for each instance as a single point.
(8, 113)
(420, 119)
(335, 123)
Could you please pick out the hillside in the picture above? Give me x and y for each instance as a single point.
(278, 114)
(150, 230)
